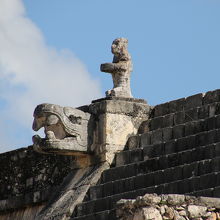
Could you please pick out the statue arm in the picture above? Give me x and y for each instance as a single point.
(108, 67)
(112, 67)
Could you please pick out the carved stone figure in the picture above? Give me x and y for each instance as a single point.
(120, 69)
(66, 129)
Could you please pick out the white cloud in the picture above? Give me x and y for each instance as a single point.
(31, 73)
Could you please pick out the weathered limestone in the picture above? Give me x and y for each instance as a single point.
(169, 207)
(120, 69)
(66, 129)
(96, 133)
(63, 202)
(116, 120)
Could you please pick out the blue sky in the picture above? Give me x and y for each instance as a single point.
(175, 47)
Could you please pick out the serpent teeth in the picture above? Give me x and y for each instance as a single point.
(50, 135)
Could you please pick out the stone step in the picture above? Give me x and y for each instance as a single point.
(161, 163)
(171, 133)
(184, 104)
(211, 180)
(142, 180)
(104, 215)
(170, 147)
(211, 192)
(182, 117)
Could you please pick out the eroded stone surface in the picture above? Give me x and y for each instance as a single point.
(120, 69)
(66, 129)
(168, 207)
(117, 120)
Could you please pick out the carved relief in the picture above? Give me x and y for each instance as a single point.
(66, 129)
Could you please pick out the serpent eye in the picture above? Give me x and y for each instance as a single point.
(75, 120)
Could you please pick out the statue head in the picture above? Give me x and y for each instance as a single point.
(119, 46)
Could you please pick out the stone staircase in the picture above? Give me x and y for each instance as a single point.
(176, 151)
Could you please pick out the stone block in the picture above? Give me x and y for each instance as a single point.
(201, 139)
(212, 109)
(205, 192)
(171, 187)
(101, 216)
(182, 144)
(129, 170)
(198, 153)
(168, 120)
(215, 164)
(159, 189)
(112, 215)
(203, 112)
(177, 105)
(190, 170)
(211, 137)
(179, 118)
(173, 174)
(194, 101)
(173, 160)
(217, 108)
(144, 127)
(209, 151)
(217, 149)
(119, 172)
(212, 96)
(143, 191)
(148, 152)
(148, 213)
(156, 136)
(196, 211)
(178, 173)
(163, 162)
(159, 177)
(217, 122)
(193, 184)
(108, 189)
(122, 158)
(95, 192)
(207, 181)
(200, 126)
(170, 147)
(143, 181)
(217, 137)
(101, 205)
(133, 142)
(185, 157)
(110, 174)
(136, 155)
(158, 150)
(118, 186)
(211, 122)
(191, 114)
(190, 141)
(156, 123)
(129, 184)
(178, 131)
(167, 133)
(161, 109)
(148, 166)
(216, 192)
(189, 128)
(145, 139)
